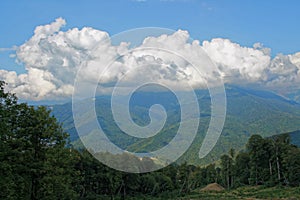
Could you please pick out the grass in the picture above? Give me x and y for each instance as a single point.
(249, 193)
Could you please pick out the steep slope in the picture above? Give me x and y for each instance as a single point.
(294, 137)
(249, 112)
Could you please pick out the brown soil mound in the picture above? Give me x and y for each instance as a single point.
(213, 187)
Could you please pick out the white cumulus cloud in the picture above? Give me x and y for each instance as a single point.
(53, 58)
(237, 62)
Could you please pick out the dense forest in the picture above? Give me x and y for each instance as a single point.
(38, 162)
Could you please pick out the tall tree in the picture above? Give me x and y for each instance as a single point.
(226, 170)
(291, 164)
(8, 128)
(259, 159)
(242, 169)
(34, 151)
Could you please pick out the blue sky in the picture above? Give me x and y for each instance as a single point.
(245, 22)
(273, 23)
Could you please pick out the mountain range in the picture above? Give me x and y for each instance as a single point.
(249, 111)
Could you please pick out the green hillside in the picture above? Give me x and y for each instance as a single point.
(248, 112)
(294, 137)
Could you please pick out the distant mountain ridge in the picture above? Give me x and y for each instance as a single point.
(249, 111)
(294, 137)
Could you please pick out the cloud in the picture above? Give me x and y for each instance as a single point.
(284, 73)
(53, 57)
(9, 49)
(237, 62)
(244, 65)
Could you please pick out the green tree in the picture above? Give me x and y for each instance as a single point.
(280, 145)
(259, 159)
(33, 154)
(148, 184)
(242, 169)
(226, 170)
(211, 174)
(8, 115)
(291, 164)
(184, 177)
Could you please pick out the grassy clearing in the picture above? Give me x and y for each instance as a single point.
(249, 193)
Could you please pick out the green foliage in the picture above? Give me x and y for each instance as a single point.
(242, 167)
(34, 161)
(248, 112)
(291, 163)
(37, 162)
(227, 170)
(249, 192)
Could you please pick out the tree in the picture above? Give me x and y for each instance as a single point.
(148, 184)
(211, 174)
(259, 159)
(291, 163)
(280, 145)
(184, 177)
(33, 152)
(226, 170)
(8, 114)
(242, 169)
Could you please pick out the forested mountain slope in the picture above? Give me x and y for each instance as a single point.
(249, 112)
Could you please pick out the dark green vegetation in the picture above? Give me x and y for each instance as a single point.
(34, 162)
(248, 192)
(37, 162)
(248, 112)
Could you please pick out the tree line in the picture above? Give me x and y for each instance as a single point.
(266, 161)
(38, 162)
